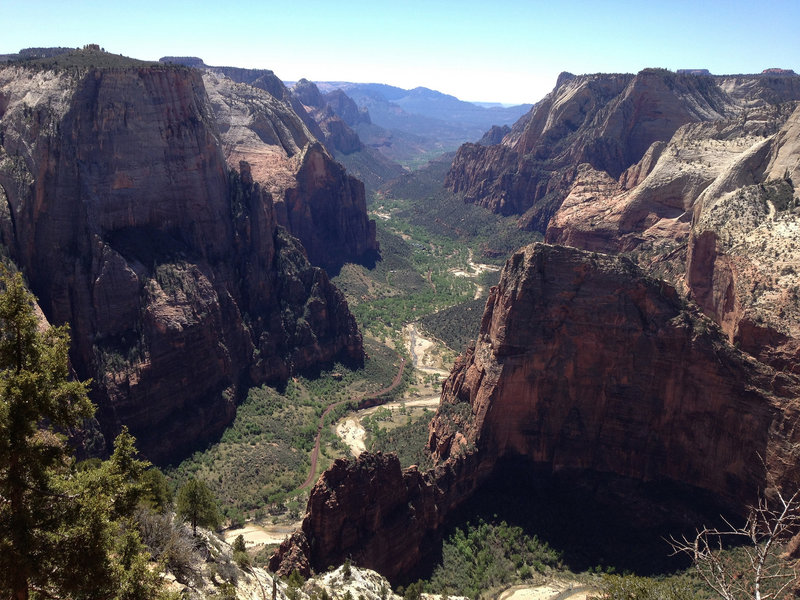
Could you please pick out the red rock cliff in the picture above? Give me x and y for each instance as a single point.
(715, 209)
(582, 364)
(179, 286)
(315, 198)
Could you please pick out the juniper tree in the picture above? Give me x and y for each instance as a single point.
(64, 532)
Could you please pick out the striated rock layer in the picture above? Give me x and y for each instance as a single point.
(608, 121)
(583, 365)
(692, 176)
(716, 210)
(180, 287)
(262, 123)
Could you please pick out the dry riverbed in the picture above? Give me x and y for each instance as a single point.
(427, 358)
(256, 536)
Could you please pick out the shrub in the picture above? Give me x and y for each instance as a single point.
(488, 555)
(170, 544)
(347, 572)
(242, 558)
(631, 587)
(227, 591)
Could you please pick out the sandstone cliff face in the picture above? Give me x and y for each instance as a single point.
(346, 108)
(338, 137)
(375, 513)
(583, 365)
(606, 121)
(371, 511)
(263, 124)
(178, 284)
(333, 114)
(714, 210)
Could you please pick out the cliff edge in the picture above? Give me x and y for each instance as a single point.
(583, 365)
(179, 285)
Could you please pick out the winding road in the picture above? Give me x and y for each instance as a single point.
(315, 452)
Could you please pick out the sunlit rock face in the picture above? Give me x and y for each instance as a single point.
(606, 121)
(691, 176)
(584, 366)
(315, 198)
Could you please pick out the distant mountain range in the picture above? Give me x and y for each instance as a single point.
(381, 100)
(411, 126)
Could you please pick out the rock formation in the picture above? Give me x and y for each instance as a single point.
(494, 136)
(583, 365)
(714, 210)
(333, 114)
(179, 285)
(338, 136)
(606, 121)
(315, 198)
(375, 513)
(689, 175)
(346, 108)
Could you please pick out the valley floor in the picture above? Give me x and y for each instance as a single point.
(558, 589)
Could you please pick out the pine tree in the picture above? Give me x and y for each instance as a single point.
(195, 504)
(64, 532)
(35, 389)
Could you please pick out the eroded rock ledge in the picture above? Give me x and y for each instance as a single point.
(582, 364)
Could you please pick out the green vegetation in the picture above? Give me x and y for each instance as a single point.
(90, 56)
(456, 326)
(416, 281)
(424, 273)
(196, 505)
(401, 432)
(156, 492)
(262, 458)
(484, 557)
(264, 455)
(419, 200)
(65, 531)
(632, 587)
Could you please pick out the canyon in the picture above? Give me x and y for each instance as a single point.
(655, 345)
(608, 121)
(583, 365)
(140, 215)
(689, 175)
(185, 220)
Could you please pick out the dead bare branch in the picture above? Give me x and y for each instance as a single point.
(768, 525)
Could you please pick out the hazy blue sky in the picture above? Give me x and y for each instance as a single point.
(489, 50)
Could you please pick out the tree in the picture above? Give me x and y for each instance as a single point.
(239, 544)
(157, 494)
(629, 587)
(766, 574)
(66, 531)
(196, 504)
(35, 388)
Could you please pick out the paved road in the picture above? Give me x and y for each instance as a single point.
(315, 453)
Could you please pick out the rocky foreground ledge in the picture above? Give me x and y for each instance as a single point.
(582, 365)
